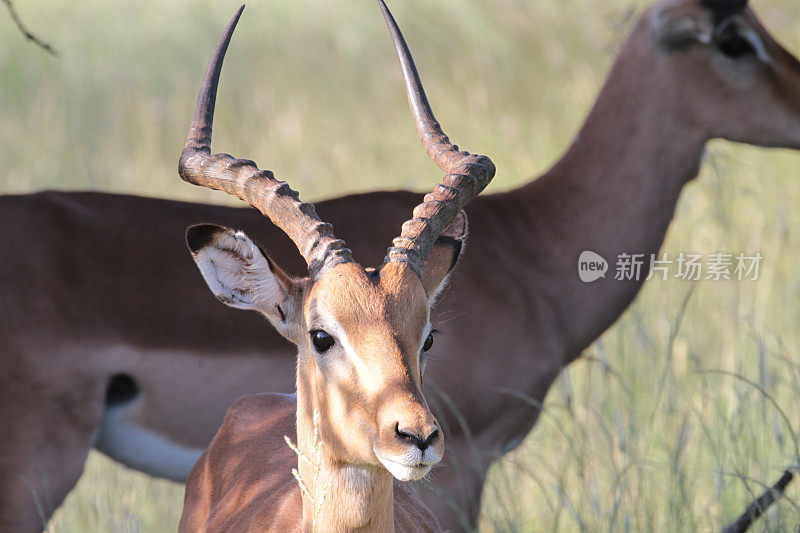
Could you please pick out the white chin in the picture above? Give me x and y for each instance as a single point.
(405, 472)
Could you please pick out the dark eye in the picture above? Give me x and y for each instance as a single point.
(428, 342)
(321, 340)
(736, 46)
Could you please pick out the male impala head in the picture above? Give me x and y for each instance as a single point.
(361, 333)
(750, 87)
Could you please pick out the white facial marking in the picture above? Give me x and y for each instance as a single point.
(412, 465)
(421, 355)
(362, 370)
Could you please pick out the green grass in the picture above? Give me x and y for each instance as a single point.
(649, 431)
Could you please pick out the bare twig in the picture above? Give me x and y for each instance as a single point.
(28, 35)
(760, 505)
(316, 450)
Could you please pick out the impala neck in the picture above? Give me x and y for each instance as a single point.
(353, 497)
(613, 192)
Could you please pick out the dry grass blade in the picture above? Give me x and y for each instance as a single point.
(28, 35)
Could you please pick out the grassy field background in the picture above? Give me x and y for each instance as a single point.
(675, 417)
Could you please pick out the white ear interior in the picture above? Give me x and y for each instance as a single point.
(237, 272)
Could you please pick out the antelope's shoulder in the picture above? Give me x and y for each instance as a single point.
(246, 470)
(252, 438)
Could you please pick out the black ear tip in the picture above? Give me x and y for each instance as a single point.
(723, 9)
(201, 235)
(724, 4)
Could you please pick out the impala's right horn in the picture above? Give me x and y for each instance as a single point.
(467, 174)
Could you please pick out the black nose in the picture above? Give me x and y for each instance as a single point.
(421, 443)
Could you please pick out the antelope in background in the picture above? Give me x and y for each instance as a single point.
(361, 335)
(139, 368)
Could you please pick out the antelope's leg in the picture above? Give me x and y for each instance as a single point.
(47, 439)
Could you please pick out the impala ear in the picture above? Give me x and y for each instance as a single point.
(240, 274)
(679, 26)
(721, 10)
(444, 256)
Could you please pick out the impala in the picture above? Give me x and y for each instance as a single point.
(96, 353)
(360, 333)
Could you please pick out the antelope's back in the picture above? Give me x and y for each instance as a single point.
(99, 265)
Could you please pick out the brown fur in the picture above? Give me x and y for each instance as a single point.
(361, 415)
(516, 315)
(356, 402)
(244, 485)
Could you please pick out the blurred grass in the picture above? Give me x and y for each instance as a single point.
(637, 436)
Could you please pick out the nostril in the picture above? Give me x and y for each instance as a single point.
(404, 434)
(428, 441)
(422, 444)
